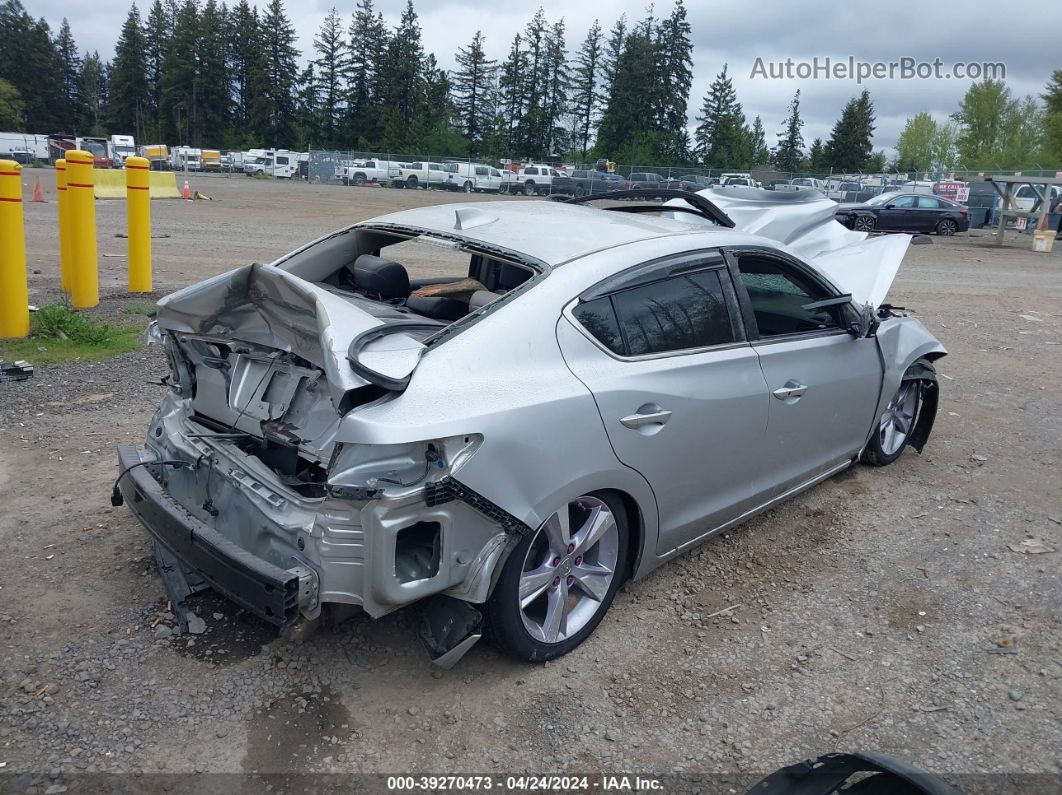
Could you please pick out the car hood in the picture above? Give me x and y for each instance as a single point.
(804, 222)
(266, 306)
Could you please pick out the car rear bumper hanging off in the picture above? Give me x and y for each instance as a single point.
(257, 585)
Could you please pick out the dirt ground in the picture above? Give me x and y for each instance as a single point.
(884, 610)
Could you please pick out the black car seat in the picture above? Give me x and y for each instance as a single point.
(380, 278)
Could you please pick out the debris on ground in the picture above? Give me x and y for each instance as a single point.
(15, 371)
(1031, 546)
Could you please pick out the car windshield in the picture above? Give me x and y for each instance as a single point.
(883, 198)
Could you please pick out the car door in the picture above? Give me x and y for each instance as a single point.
(824, 382)
(494, 180)
(898, 215)
(678, 387)
(930, 211)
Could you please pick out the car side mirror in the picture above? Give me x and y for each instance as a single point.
(838, 309)
(890, 206)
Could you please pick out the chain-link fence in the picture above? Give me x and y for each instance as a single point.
(554, 177)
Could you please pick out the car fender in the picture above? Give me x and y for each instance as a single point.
(902, 341)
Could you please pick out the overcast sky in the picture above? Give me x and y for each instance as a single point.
(736, 32)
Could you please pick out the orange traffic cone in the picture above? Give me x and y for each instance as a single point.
(38, 194)
(186, 192)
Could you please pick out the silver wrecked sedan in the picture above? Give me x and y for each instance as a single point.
(586, 393)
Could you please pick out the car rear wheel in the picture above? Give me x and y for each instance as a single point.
(559, 582)
(529, 188)
(580, 190)
(863, 223)
(411, 183)
(468, 187)
(896, 423)
(359, 179)
(947, 227)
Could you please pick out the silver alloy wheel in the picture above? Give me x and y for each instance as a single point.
(863, 223)
(568, 570)
(947, 227)
(899, 417)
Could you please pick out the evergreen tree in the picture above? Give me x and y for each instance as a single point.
(627, 126)
(330, 64)
(531, 138)
(761, 155)
(511, 97)
(70, 65)
(617, 38)
(92, 90)
(675, 59)
(308, 107)
(721, 138)
(129, 80)
(365, 73)
(473, 89)
(214, 95)
(817, 158)
(247, 75)
(178, 104)
(850, 145)
(157, 31)
(789, 151)
(400, 81)
(30, 62)
(586, 85)
(279, 57)
(555, 99)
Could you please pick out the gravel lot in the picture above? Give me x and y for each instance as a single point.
(884, 610)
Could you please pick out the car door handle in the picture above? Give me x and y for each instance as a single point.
(792, 389)
(635, 421)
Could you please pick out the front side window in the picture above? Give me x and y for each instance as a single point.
(481, 171)
(903, 202)
(681, 312)
(778, 295)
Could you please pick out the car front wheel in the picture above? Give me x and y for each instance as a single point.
(897, 423)
(559, 582)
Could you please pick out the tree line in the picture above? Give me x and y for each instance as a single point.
(204, 73)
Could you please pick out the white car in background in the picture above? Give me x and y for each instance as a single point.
(371, 171)
(470, 177)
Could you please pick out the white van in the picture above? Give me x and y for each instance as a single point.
(469, 177)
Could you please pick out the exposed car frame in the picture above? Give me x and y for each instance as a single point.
(330, 439)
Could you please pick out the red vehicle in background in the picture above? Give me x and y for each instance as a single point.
(100, 148)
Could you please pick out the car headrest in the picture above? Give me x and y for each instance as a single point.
(481, 298)
(381, 277)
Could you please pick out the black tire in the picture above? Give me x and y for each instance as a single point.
(467, 187)
(863, 223)
(412, 183)
(947, 227)
(359, 179)
(875, 454)
(529, 188)
(580, 191)
(502, 617)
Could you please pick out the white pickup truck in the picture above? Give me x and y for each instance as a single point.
(534, 178)
(420, 175)
(370, 171)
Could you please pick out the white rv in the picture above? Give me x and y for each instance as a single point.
(279, 163)
(185, 158)
(122, 146)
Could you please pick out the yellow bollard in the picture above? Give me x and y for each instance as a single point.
(138, 215)
(64, 225)
(14, 293)
(81, 207)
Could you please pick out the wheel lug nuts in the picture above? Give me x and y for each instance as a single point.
(556, 581)
(571, 548)
(571, 579)
(556, 561)
(578, 560)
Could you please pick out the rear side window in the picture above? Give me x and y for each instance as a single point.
(532, 171)
(929, 203)
(682, 312)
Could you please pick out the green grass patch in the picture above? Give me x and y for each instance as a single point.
(59, 334)
(147, 310)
